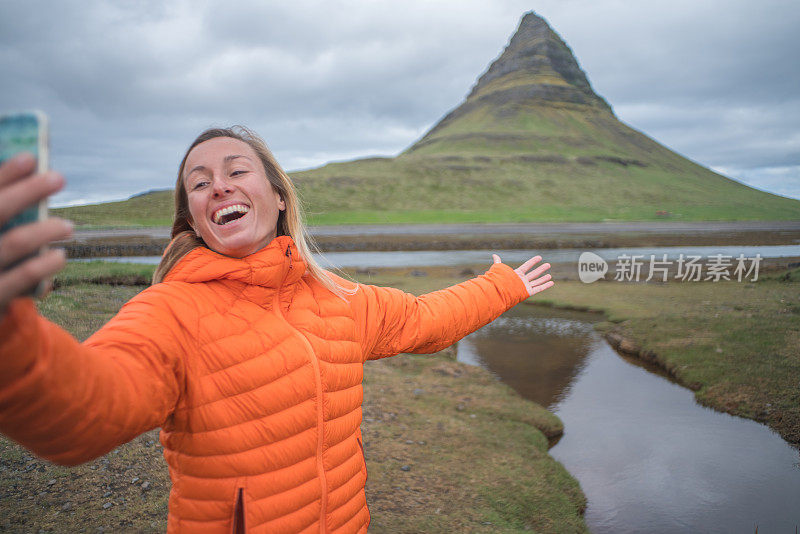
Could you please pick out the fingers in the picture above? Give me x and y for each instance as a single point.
(20, 189)
(530, 263)
(540, 281)
(536, 273)
(28, 191)
(538, 289)
(535, 281)
(525, 266)
(20, 279)
(24, 240)
(538, 285)
(17, 167)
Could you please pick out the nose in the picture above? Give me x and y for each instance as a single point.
(221, 188)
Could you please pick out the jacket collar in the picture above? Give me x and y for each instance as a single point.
(277, 264)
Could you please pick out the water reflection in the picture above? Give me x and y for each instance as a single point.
(539, 371)
(648, 457)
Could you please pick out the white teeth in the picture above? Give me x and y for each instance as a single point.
(241, 208)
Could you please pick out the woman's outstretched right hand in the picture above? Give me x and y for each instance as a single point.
(19, 188)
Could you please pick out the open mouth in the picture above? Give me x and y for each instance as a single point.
(229, 214)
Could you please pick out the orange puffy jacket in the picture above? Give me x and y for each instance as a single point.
(251, 368)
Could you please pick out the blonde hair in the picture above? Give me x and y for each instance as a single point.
(290, 220)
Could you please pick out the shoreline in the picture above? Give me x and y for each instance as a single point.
(628, 347)
(624, 346)
(478, 447)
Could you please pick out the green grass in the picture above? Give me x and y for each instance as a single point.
(477, 461)
(539, 214)
(82, 308)
(151, 209)
(104, 272)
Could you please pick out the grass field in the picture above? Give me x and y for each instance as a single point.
(104, 272)
(448, 447)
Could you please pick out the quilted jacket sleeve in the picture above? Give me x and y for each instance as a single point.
(70, 402)
(395, 321)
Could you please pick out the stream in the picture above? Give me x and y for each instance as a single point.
(647, 456)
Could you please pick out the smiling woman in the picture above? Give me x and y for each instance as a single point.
(244, 351)
(225, 166)
(232, 205)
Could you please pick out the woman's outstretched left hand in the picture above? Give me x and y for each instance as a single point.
(535, 281)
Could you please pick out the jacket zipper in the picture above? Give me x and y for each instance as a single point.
(366, 474)
(239, 526)
(364, 455)
(318, 383)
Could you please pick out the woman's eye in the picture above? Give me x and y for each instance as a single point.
(236, 173)
(198, 185)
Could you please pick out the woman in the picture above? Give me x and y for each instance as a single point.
(244, 351)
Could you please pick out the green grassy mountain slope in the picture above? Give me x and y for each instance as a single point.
(148, 209)
(531, 142)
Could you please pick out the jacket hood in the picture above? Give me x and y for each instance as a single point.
(276, 264)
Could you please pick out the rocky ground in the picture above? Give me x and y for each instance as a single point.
(124, 491)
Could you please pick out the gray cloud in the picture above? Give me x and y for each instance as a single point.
(714, 81)
(129, 84)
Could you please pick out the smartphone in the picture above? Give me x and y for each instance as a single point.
(26, 132)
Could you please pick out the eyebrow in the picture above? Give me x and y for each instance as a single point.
(226, 160)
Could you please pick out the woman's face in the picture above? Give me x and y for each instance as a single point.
(232, 205)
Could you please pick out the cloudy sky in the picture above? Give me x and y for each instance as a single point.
(128, 84)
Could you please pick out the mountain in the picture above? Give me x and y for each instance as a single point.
(537, 67)
(532, 141)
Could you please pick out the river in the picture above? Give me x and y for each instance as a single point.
(647, 456)
(425, 258)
